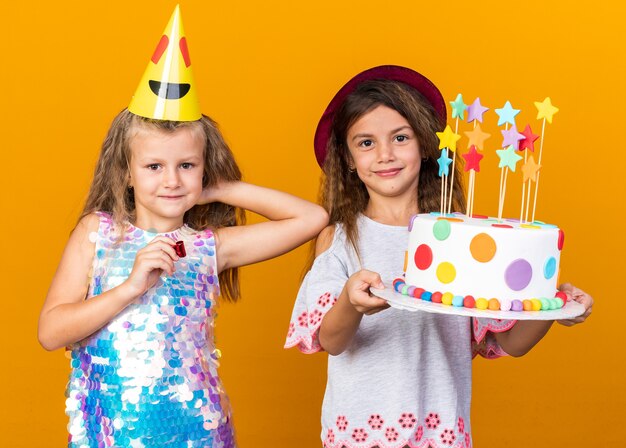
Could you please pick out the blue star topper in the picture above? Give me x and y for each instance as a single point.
(444, 163)
(507, 114)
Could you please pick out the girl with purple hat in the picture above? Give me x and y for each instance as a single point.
(395, 379)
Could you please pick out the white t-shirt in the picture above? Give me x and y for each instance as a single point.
(406, 377)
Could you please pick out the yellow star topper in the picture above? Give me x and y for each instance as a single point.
(530, 170)
(448, 139)
(545, 109)
(167, 90)
(477, 137)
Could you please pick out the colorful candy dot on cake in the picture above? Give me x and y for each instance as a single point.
(446, 272)
(561, 240)
(529, 226)
(545, 303)
(561, 295)
(417, 293)
(436, 297)
(396, 281)
(483, 247)
(404, 289)
(493, 304)
(505, 305)
(482, 303)
(518, 274)
(469, 302)
(441, 229)
(558, 303)
(427, 296)
(527, 305)
(457, 301)
(517, 305)
(410, 290)
(536, 304)
(479, 216)
(502, 226)
(446, 298)
(398, 285)
(549, 268)
(423, 257)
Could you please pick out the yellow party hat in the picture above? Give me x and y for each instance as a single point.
(167, 89)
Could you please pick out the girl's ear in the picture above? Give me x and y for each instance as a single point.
(351, 164)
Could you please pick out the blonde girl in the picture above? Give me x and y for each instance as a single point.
(136, 314)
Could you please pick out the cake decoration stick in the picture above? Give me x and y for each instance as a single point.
(530, 170)
(508, 161)
(447, 140)
(476, 141)
(527, 144)
(475, 113)
(444, 166)
(510, 138)
(472, 164)
(545, 111)
(506, 116)
(458, 111)
(521, 213)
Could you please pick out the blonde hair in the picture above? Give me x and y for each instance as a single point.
(342, 193)
(110, 192)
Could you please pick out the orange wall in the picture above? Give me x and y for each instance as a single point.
(265, 72)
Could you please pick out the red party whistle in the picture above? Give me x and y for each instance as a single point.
(179, 247)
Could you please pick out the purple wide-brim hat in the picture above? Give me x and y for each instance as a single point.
(391, 72)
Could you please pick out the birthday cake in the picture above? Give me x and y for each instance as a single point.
(484, 263)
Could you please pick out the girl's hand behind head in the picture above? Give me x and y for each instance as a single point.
(214, 193)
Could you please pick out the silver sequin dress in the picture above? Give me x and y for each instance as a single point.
(149, 377)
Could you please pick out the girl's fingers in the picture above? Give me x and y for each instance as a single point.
(371, 305)
(164, 244)
(377, 309)
(156, 260)
(576, 320)
(367, 279)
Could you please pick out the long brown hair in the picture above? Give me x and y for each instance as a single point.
(109, 191)
(342, 193)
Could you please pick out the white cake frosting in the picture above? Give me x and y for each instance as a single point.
(483, 257)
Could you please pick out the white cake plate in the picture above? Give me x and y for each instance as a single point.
(400, 301)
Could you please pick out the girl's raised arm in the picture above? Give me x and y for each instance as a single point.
(292, 221)
(66, 317)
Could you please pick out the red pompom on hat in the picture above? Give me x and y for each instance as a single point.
(391, 72)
